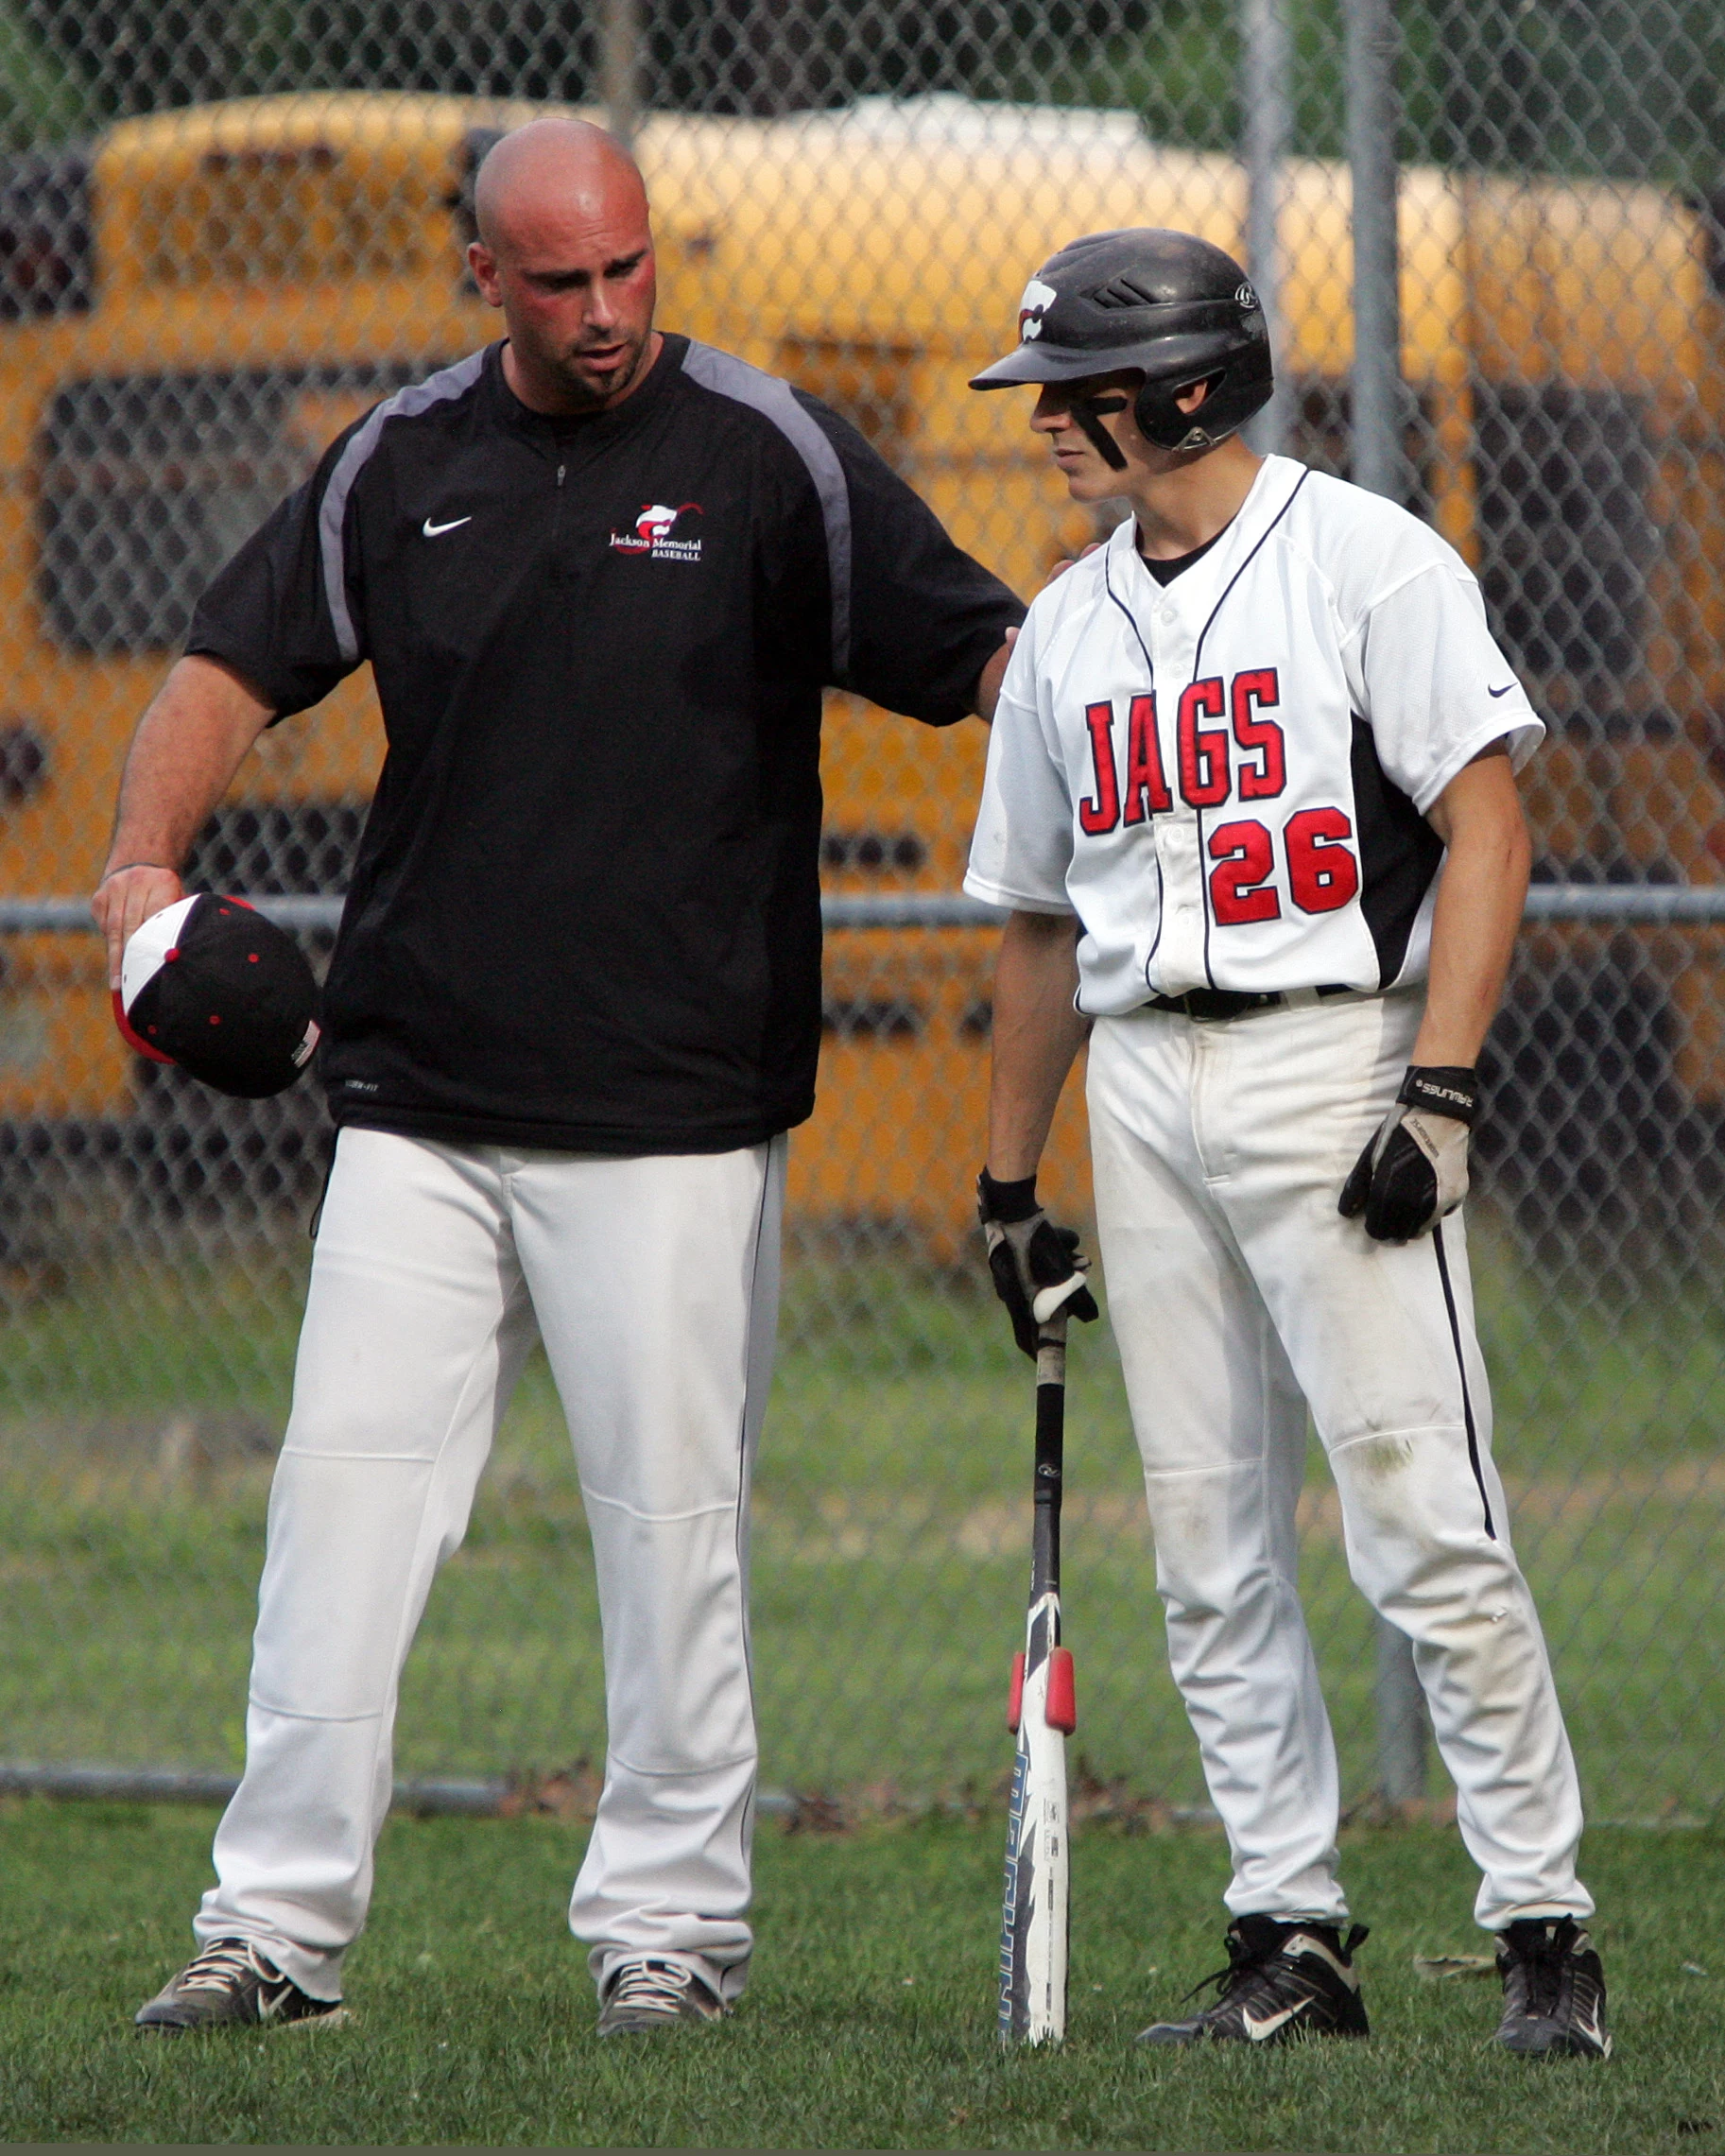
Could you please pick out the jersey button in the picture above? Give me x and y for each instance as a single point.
(1168, 618)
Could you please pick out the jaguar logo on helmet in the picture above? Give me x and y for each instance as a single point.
(1038, 299)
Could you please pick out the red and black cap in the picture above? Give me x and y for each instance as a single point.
(211, 985)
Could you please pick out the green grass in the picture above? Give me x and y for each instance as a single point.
(890, 1552)
(869, 2019)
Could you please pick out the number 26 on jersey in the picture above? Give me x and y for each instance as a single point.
(1215, 719)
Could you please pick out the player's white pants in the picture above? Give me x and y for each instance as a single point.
(654, 1282)
(1234, 1287)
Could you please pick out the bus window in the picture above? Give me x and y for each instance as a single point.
(1565, 537)
(46, 259)
(147, 484)
(1321, 434)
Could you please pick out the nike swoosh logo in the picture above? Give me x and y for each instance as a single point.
(1260, 2032)
(1503, 692)
(269, 2003)
(437, 530)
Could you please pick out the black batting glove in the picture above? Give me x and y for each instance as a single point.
(1415, 1169)
(1038, 1267)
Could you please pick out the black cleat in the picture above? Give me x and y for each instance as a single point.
(652, 1993)
(1554, 1991)
(232, 1984)
(1282, 1981)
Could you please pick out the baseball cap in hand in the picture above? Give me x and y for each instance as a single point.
(211, 985)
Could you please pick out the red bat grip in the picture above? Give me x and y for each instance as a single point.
(1062, 1709)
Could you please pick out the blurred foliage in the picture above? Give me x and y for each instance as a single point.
(1632, 89)
(1627, 89)
(41, 98)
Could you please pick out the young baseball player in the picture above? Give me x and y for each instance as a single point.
(1251, 801)
(600, 575)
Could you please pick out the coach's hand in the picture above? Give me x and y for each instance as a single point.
(1038, 1267)
(124, 899)
(1415, 1169)
(1059, 568)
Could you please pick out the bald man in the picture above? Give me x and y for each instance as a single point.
(601, 576)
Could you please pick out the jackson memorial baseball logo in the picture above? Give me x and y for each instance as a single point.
(654, 533)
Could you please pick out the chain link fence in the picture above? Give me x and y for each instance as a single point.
(227, 226)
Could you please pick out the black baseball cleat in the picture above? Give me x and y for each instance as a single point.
(651, 1994)
(232, 1984)
(1554, 1991)
(1282, 1981)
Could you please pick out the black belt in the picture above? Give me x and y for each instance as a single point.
(1212, 1003)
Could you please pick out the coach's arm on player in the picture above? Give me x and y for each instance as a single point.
(206, 719)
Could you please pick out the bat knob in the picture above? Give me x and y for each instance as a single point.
(1015, 1697)
(1062, 1709)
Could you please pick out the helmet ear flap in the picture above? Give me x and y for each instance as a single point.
(1161, 420)
(1240, 387)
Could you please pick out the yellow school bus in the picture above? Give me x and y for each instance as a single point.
(191, 306)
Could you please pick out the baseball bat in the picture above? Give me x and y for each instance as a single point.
(1042, 1714)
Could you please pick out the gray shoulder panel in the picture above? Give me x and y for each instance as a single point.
(438, 388)
(767, 395)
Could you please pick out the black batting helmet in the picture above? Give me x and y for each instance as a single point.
(1170, 304)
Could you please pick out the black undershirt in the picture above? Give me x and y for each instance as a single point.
(1165, 572)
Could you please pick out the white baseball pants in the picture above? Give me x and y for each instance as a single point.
(1238, 1295)
(654, 1284)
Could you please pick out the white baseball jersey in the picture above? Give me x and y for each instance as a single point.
(1225, 779)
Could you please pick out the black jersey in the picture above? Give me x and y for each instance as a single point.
(585, 912)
